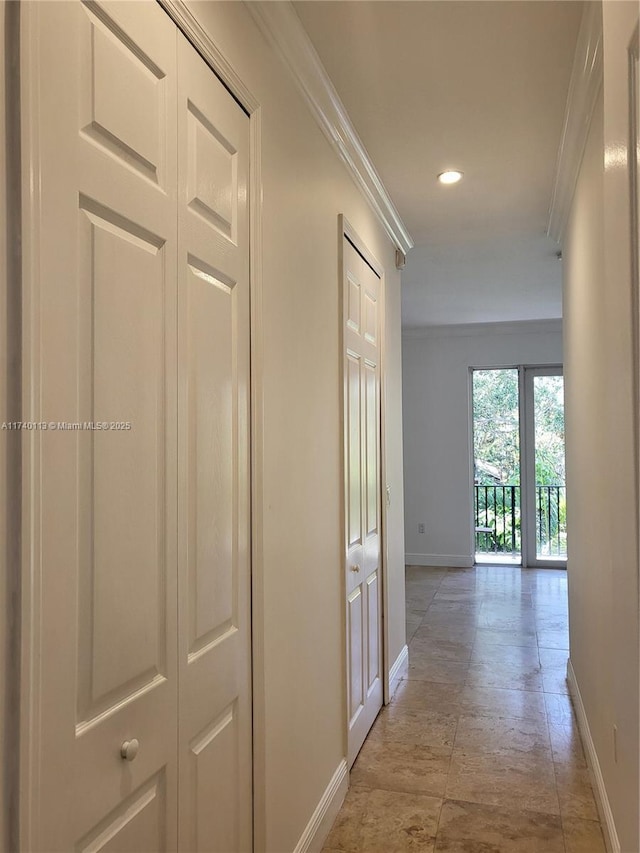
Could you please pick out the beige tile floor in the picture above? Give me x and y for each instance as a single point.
(478, 751)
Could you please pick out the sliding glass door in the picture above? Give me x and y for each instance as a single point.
(496, 474)
(545, 502)
(519, 492)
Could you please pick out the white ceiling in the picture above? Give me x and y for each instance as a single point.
(480, 86)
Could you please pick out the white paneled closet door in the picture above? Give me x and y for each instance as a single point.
(137, 539)
(103, 317)
(214, 499)
(363, 580)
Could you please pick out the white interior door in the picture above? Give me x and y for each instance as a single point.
(361, 313)
(214, 520)
(103, 503)
(136, 538)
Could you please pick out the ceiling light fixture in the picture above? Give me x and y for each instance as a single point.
(451, 176)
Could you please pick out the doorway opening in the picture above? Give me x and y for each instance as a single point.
(519, 490)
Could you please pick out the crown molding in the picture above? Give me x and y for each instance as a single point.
(467, 330)
(283, 30)
(584, 86)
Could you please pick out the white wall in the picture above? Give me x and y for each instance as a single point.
(587, 453)
(301, 740)
(602, 500)
(437, 439)
(619, 21)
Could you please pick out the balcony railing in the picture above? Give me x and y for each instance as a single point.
(497, 514)
(498, 523)
(551, 521)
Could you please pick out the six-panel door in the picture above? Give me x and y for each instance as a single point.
(361, 317)
(214, 523)
(140, 531)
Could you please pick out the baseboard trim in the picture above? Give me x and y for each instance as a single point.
(602, 800)
(316, 831)
(450, 561)
(398, 667)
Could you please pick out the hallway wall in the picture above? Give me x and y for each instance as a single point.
(437, 433)
(599, 387)
(586, 355)
(301, 739)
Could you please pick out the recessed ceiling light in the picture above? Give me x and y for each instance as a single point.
(451, 176)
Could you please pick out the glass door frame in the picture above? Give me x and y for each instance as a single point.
(528, 467)
(472, 457)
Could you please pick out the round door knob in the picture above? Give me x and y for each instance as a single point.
(355, 568)
(129, 749)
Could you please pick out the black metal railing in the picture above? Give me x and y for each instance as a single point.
(551, 521)
(497, 515)
(498, 522)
